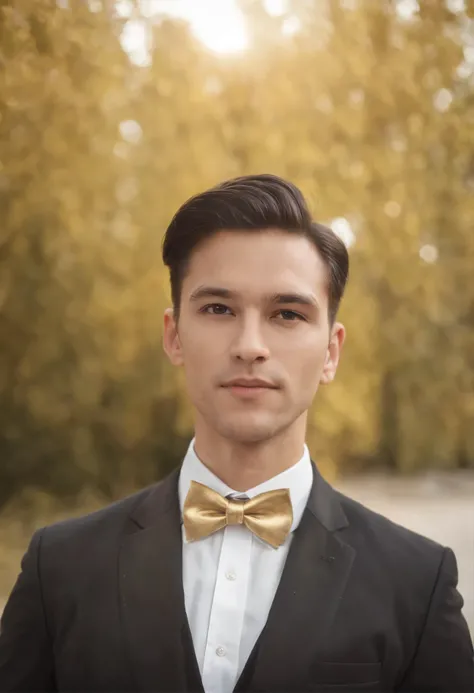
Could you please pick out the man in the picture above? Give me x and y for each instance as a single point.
(242, 570)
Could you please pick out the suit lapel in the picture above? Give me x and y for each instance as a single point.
(151, 594)
(152, 599)
(307, 598)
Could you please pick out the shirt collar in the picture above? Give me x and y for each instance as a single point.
(298, 479)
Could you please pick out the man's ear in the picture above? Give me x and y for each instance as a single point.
(171, 341)
(338, 335)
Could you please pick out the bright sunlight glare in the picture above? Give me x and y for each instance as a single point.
(219, 24)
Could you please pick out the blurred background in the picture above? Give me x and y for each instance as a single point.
(111, 115)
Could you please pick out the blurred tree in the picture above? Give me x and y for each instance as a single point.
(79, 379)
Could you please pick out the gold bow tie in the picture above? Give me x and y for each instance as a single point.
(269, 515)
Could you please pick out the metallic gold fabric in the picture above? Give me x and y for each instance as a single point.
(269, 515)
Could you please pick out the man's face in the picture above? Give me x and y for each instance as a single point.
(254, 305)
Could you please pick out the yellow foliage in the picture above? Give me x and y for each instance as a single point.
(368, 112)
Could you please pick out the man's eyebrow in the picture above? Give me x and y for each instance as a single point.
(211, 292)
(301, 299)
(279, 298)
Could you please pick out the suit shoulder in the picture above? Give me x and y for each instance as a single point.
(371, 529)
(99, 522)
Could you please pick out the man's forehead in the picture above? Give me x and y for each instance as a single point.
(241, 269)
(268, 252)
(250, 240)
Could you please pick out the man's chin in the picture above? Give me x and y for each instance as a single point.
(248, 433)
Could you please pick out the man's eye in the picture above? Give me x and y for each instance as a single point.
(290, 315)
(215, 309)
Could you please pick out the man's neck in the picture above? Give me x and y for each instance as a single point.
(245, 466)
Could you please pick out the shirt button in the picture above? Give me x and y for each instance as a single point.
(220, 651)
(230, 575)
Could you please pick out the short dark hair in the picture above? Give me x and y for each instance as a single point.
(251, 203)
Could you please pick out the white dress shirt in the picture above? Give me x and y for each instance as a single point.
(230, 578)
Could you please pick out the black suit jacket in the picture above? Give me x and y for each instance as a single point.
(363, 604)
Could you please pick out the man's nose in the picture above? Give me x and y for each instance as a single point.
(249, 345)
